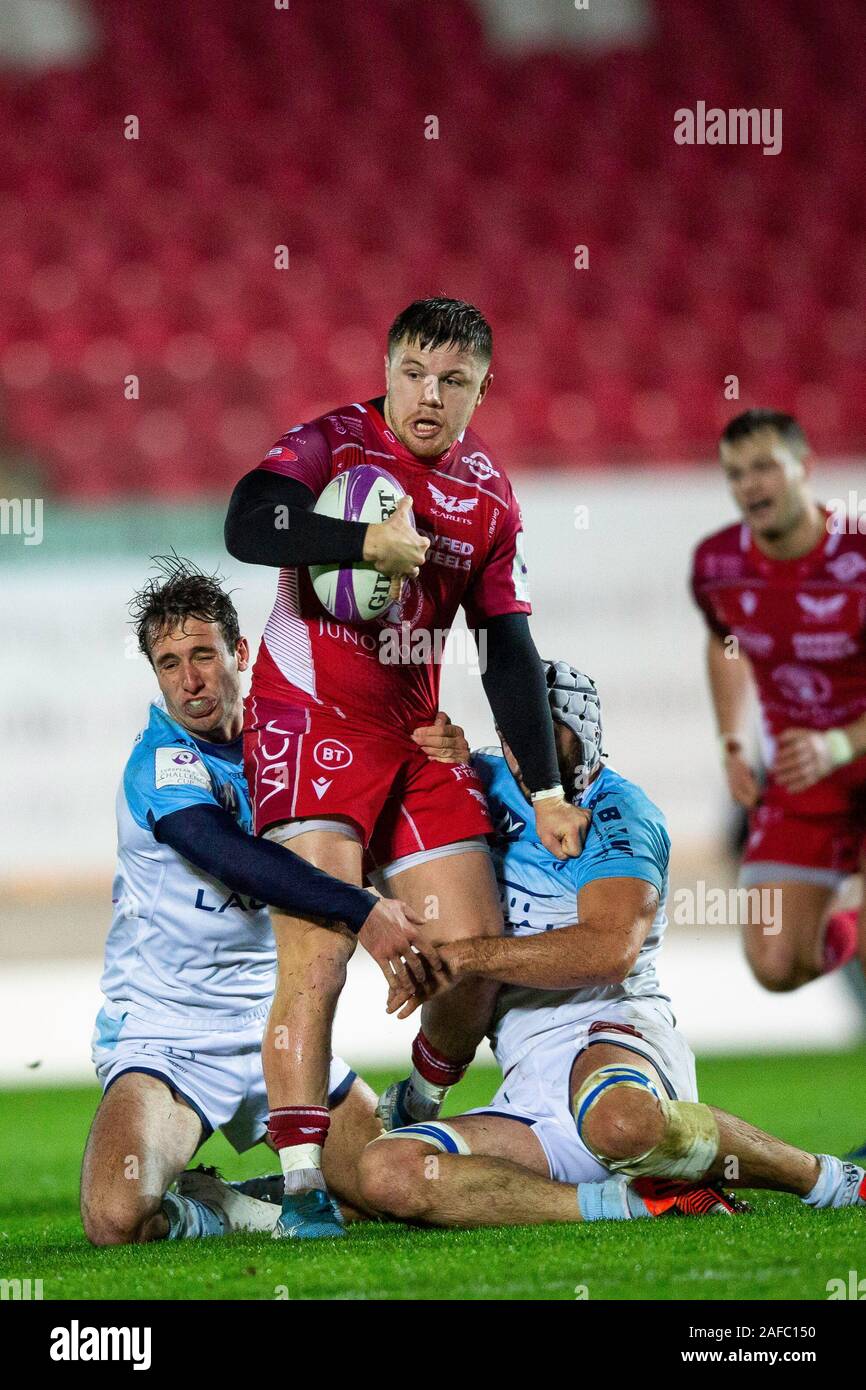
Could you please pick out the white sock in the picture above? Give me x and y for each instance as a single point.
(838, 1183)
(423, 1099)
(189, 1219)
(302, 1167)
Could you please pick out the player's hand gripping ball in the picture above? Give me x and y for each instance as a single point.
(357, 593)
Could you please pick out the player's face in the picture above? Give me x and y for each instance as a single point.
(200, 678)
(567, 755)
(431, 396)
(767, 481)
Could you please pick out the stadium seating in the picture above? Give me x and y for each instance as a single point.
(304, 127)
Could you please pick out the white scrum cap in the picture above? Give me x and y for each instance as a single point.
(574, 702)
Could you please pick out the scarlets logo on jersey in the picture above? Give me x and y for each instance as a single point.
(283, 454)
(822, 608)
(456, 507)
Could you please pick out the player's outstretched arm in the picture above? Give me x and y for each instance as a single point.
(514, 683)
(211, 839)
(615, 916)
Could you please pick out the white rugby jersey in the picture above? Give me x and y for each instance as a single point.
(628, 838)
(181, 942)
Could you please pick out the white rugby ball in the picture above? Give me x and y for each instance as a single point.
(356, 593)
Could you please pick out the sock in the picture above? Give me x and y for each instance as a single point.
(612, 1200)
(298, 1133)
(840, 1184)
(840, 940)
(189, 1219)
(432, 1077)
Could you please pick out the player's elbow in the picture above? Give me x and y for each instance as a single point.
(617, 965)
(235, 534)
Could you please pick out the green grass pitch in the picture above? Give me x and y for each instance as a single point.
(779, 1251)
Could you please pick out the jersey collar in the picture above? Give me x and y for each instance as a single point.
(228, 751)
(800, 565)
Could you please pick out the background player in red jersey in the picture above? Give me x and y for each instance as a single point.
(331, 763)
(789, 584)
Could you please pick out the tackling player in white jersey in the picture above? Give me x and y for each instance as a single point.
(598, 1114)
(190, 960)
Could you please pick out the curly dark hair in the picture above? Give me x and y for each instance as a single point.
(179, 591)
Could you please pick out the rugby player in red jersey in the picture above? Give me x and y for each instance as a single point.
(788, 583)
(331, 763)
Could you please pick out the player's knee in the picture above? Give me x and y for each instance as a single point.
(113, 1223)
(624, 1124)
(775, 967)
(392, 1179)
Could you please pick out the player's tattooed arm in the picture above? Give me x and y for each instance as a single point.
(615, 917)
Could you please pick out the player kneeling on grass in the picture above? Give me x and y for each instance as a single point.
(598, 1115)
(190, 960)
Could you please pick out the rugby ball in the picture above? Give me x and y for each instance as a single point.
(356, 593)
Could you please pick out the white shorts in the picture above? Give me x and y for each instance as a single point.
(535, 1090)
(218, 1072)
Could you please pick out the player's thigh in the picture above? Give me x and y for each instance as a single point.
(305, 942)
(498, 1136)
(335, 851)
(591, 1059)
(396, 1164)
(783, 932)
(455, 894)
(142, 1136)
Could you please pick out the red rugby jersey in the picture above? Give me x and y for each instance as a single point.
(464, 503)
(802, 623)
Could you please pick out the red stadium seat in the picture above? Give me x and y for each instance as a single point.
(156, 256)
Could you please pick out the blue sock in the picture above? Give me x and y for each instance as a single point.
(189, 1219)
(613, 1200)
